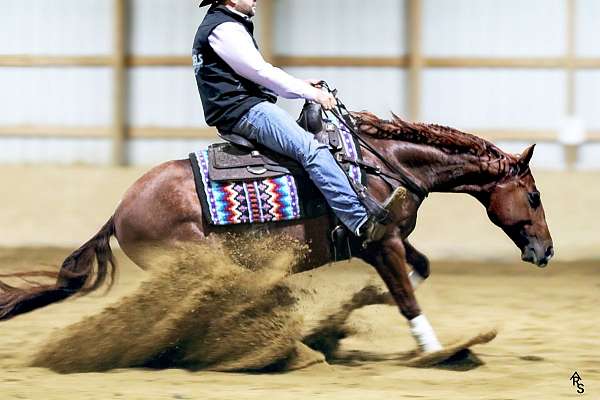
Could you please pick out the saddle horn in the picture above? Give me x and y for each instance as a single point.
(311, 117)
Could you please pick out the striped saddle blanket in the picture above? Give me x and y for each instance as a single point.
(263, 199)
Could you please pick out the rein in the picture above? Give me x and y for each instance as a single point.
(397, 172)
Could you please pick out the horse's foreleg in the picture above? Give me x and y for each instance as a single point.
(391, 266)
(419, 263)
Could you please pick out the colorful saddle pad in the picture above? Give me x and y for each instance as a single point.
(261, 200)
(243, 202)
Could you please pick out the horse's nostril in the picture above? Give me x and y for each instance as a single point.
(528, 256)
(550, 252)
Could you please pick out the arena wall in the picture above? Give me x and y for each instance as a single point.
(480, 66)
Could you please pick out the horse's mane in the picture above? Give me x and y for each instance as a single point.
(446, 139)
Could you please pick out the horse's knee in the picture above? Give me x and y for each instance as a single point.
(418, 261)
(422, 267)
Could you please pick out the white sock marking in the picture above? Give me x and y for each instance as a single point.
(423, 333)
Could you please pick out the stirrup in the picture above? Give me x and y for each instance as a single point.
(373, 229)
(374, 208)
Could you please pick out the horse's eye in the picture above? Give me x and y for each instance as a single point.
(534, 199)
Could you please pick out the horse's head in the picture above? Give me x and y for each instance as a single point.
(515, 205)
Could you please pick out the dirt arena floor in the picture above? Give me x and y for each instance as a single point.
(547, 323)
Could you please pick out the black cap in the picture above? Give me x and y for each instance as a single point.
(207, 2)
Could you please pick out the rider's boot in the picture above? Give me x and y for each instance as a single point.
(374, 228)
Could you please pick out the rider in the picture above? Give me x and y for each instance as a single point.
(239, 89)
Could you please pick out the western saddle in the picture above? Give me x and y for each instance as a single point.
(239, 159)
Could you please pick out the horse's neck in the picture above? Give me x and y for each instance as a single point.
(438, 171)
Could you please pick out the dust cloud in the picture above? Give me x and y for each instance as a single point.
(211, 306)
(231, 305)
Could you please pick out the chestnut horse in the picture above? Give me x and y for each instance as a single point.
(162, 209)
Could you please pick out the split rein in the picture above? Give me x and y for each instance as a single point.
(341, 113)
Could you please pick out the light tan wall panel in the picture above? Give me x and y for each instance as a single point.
(55, 27)
(155, 151)
(587, 28)
(587, 101)
(507, 28)
(164, 96)
(333, 27)
(49, 150)
(61, 96)
(494, 98)
(164, 27)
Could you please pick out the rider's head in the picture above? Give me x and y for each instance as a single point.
(246, 7)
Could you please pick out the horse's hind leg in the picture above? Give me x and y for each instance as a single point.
(419, 263)
(390, 262)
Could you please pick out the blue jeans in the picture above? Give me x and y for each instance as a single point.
(275, 129)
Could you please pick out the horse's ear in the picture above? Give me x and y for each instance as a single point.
(525, 157)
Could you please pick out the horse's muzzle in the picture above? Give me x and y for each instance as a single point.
(541, 259)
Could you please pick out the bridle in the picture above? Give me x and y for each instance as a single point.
(398, 173)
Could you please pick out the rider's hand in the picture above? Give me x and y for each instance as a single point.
(313, 82)
(325, 99)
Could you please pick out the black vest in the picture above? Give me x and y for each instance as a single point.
(226, 96)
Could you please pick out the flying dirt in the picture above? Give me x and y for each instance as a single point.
(223, 307)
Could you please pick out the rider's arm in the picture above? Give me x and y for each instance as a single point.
(233, 44)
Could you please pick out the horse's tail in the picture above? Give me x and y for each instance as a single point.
(77, 275)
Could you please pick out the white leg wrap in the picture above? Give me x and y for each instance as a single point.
(424, 335)
(415, 279)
